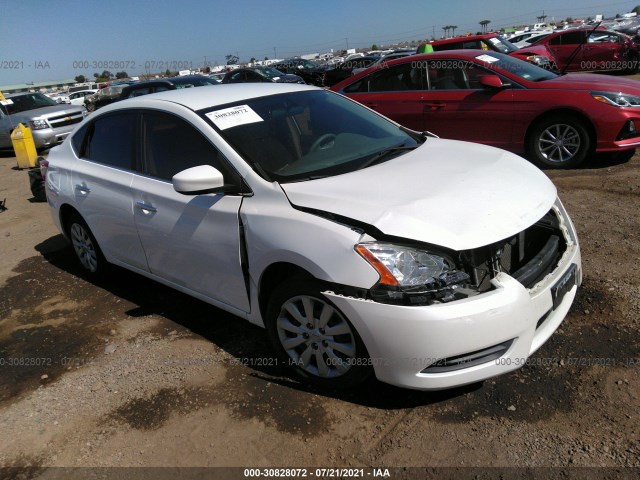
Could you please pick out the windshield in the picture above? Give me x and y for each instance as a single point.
(30, 101)
(522, 69)
(499, 44)
(304, 135)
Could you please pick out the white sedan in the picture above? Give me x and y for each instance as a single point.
(359, 245)
(77, 98)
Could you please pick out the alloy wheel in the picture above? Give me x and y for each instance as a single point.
(316, 337)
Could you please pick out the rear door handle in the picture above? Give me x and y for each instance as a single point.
(146, 207)
(83, 189)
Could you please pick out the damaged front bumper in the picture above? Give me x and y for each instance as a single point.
(445, 345)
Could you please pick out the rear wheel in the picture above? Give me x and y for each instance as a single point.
(313, 338)
(86, 247)
(559, 142)
(632, 63)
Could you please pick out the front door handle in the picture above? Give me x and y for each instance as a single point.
(146, 207)
(434, 106)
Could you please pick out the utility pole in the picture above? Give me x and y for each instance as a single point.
(275, 55)
(347, 40)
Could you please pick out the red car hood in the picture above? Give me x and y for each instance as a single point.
(533, 50)
(593, 82)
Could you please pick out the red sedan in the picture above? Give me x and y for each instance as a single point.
(491, 98)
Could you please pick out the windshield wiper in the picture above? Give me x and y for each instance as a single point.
(385, 154)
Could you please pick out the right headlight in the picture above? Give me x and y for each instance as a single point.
(411, 275)
(38, 124)
(403, 266)
(617, 99)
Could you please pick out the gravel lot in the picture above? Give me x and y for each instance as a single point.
(127, 372)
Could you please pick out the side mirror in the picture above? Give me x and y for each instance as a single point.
(198, 180)
(492, 82)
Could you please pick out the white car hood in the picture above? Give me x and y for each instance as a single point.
(454, 194)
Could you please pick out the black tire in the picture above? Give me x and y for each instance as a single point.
(311, 353)
(91, 107)
(633, 63)
(37, 185)
(573, 147)
(86, 247)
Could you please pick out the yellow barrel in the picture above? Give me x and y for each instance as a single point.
(23, 145)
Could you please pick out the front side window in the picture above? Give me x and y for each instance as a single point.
(172, 145)
(110, 140)
(570, 38)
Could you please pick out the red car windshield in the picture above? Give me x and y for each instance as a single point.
(524, 70)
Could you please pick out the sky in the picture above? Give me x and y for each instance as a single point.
(56, 39)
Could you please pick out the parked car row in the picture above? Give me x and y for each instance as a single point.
(114, 93)
(578, 49)
(498, 100)
(50, 122)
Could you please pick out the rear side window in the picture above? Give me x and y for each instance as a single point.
(172, 145)
(78, 139)
(403, 77)
(110, 140)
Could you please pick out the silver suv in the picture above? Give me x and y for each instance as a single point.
(49, 121)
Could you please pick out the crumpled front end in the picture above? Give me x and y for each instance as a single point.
(517, 293)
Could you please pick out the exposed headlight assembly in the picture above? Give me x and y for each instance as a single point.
(413, 274)
(617, 99)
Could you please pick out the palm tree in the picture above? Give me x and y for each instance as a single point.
(446, 30)
(484, 24)
(453, 27)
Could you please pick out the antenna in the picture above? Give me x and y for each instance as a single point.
(575, 52)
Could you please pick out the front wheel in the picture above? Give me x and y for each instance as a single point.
(559, 142)
(91, 107)
(313, 338)
(86, 247)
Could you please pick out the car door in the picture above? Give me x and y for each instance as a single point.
(396, 92)
(567, 49)
(600, 51)
(101, 182)
(457, 106)
(192, 241)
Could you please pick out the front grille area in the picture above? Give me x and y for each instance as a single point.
(528, 256)
(64, 120)
(470, 359)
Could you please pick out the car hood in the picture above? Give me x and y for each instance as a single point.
(594, 82)
(454, 194)
(533, 50)
(287, 78)
(46, 112)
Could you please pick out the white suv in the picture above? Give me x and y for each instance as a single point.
(360, 245)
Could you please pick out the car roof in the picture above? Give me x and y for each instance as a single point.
(210, 96)
(467, 38)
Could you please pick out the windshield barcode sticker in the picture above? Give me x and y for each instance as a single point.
(487, 58)
(234, 116)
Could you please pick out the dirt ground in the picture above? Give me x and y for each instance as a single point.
(127, 372)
